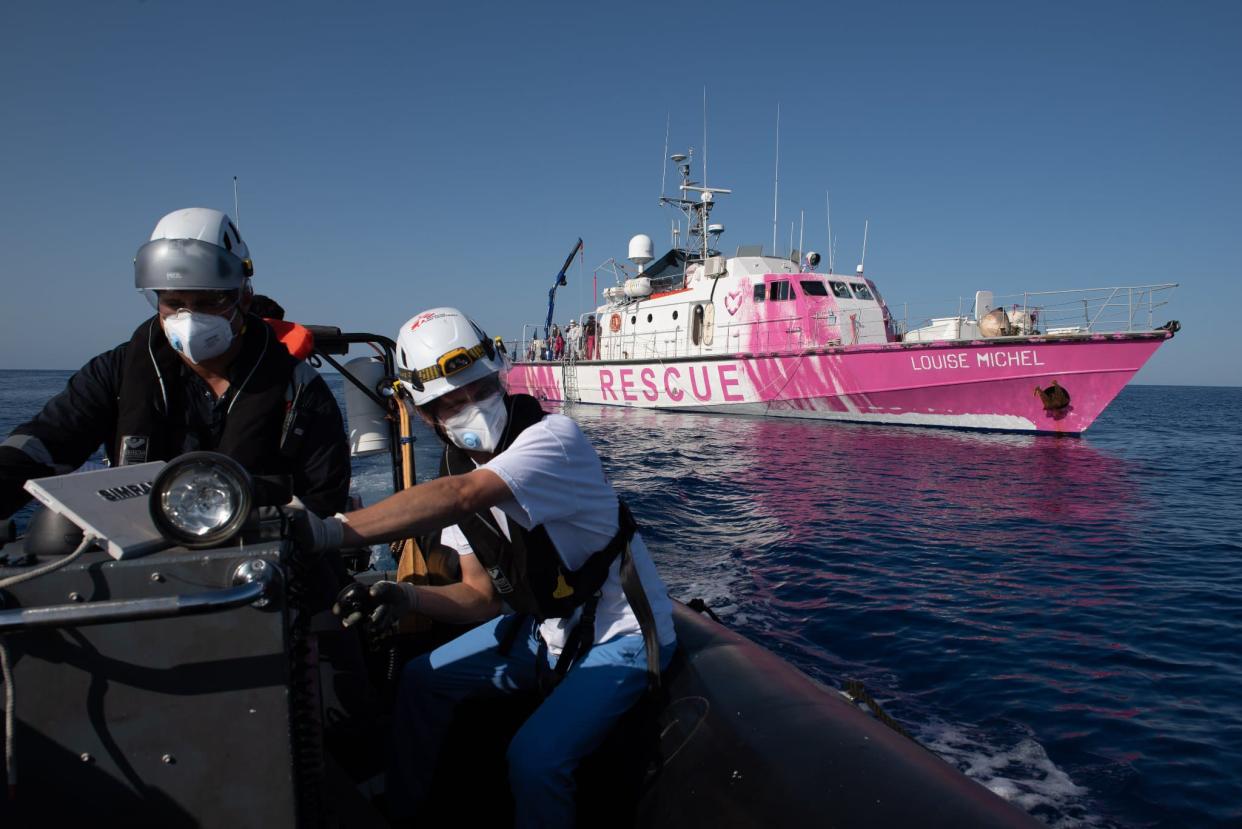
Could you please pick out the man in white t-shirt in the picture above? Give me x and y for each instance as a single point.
(549, 558)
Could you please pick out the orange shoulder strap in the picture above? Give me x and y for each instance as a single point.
(297, 338)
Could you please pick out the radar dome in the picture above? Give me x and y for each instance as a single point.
(640, 249)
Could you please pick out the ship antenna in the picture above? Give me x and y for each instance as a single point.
(801, 239)
(236, 208)
(705, 141)
(828, 205)
(688, 211)
(664, 159)
(776, 188)
(863, 261)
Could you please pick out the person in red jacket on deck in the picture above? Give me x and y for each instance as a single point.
(590, 330)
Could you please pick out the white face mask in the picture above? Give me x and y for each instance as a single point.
(479, 427)
(199, 336)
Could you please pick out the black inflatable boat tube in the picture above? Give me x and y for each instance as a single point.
(748, 740)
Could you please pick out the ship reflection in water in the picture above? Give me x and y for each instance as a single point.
(966, 515)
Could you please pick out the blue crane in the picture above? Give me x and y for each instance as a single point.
(560, 280)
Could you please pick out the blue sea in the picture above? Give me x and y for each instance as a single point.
(1060, 618)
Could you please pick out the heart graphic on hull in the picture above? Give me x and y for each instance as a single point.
(733, 299)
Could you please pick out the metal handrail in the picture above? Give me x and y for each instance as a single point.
(255, 588)
(1093, 310)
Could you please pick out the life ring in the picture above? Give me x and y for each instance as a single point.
(614, 323)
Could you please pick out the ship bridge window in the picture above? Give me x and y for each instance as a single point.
(760, 292)
(813, 288)
(861, 291)
(840, 290)
(781, 291)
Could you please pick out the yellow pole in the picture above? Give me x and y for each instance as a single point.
(412, 566)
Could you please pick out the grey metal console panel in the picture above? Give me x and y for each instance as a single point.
(164, 722)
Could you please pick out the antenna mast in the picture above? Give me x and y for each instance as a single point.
(236, 209)
(801, 239)
(776, 189)
(705, 140)
(828, 205)
(695, 203)
(866, 225)
(664, 159)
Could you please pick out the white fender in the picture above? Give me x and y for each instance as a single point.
(368, 430)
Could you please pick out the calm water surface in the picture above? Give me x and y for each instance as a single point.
(1060, 618)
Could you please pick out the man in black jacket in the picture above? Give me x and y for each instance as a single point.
(202, 373)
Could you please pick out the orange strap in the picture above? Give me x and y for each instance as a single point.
(297, 338)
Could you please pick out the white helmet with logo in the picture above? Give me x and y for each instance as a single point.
(195, 249)
(440, 350)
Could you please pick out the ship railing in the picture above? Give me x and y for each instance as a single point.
(1128, 308)
(1096, 310)
(532, 347)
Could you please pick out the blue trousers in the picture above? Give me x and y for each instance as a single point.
(571, 723)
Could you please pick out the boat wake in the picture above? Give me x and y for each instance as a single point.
(1020, 771)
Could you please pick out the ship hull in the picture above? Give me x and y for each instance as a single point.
(992, 385)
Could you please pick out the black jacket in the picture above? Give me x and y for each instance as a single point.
(78, 420)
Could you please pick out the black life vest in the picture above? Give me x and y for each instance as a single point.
(528, 573)
(153, 421)
(526, 570)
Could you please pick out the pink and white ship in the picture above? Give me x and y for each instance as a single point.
(765, 335)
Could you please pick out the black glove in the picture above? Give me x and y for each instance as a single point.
(384, 605)
(353, 604)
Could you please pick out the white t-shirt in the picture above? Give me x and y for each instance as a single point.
(557, 481)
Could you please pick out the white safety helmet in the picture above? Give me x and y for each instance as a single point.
(440, 350)
(195, 249)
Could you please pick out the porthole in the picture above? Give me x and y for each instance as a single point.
(633, 320)
(649, 318)
(674, 315)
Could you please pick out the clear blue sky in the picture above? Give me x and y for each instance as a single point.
(395, 156)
